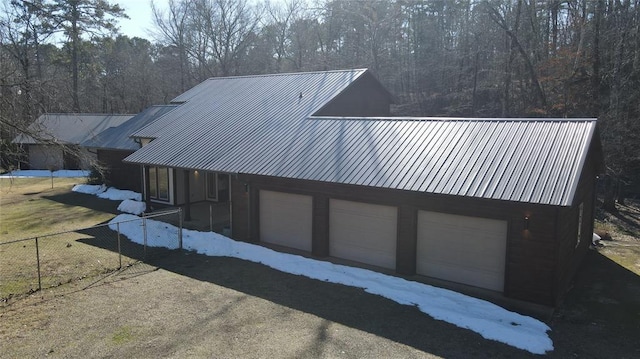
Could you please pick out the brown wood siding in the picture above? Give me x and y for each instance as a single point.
(70, 160)
(363, 98)
(119, 174)
(570, 256)
(531, 255)
(320, 231)
(239, 210)
(407, 240)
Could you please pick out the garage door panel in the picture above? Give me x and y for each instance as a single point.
(454, 273)
(286, 219)
(463, 249)
(363, 232)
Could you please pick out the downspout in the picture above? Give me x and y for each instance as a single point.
(594, 198)
(230, 208)
(247, 190)
(187, 196)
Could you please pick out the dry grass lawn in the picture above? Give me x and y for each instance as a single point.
(30, 207)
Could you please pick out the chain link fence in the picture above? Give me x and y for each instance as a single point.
(31, 264)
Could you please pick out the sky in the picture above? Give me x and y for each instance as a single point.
(140, 20)
(487, 319)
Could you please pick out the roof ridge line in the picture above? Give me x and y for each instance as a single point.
(286, 74)
(87, 114)
(452, 119)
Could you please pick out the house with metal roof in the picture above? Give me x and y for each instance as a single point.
(114, 144)
(56, 138)
(314, 162)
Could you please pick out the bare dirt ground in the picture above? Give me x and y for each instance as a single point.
(188, 305)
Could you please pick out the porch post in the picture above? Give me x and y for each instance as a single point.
(187, 197)
(146, 185)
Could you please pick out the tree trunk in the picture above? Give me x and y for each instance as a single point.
(75, 42)
(621, 193)
(595, 59)
(609, 203)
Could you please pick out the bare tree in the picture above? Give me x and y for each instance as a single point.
(280, 18)
(231, 26)
(173, 30)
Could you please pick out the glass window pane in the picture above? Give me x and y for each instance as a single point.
(212, 191)
(163, 183)
(153, 184)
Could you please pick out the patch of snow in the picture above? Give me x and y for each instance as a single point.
(159, 234)
(487, 319)
(45, 173)
(89, 188)
(131, 206)
(595, 238)
(115, 194)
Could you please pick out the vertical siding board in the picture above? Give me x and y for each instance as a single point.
(120, 175)
(570, 256)
(239, 198)
(407, 240)
(320, 236)
(254, 214)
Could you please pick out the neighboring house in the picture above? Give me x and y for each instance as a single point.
(114, 144)
(70, 130)
(312, 161)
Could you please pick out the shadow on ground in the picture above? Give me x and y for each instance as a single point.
(600, 316)
(84, 200)
(338, 303)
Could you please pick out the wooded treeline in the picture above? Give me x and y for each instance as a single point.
(481, 58)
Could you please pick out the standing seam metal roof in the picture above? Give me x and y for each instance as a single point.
(259, 125)
(118, 137)
(70, 128)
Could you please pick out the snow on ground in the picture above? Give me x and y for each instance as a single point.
(89, 188)
(45, 173)
(115, 194)
(487, 319)
(131, 206)
(130, 199)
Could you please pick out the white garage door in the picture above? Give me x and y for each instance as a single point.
(363, 232)
(285, 219)
(462, 249)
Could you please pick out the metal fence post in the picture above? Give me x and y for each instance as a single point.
(119, 249)
(38, 261)
(180, 228)
(144, 231)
